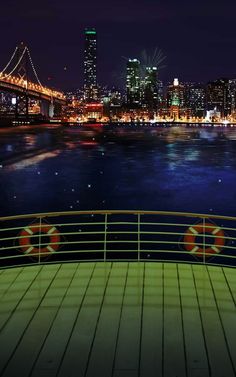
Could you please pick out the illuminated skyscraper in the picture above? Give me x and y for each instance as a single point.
(150, 91)
(133, 93)
(175, 92)
(90, 65)
(175, 98)
(196, 99)
(219, 96)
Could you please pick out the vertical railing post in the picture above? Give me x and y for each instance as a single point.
(40, 232)
(204, 240)
(105, 239)
(138, 236)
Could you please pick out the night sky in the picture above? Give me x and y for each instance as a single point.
(198, 38)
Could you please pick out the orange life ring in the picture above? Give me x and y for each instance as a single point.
(27, 243)
(193, 231)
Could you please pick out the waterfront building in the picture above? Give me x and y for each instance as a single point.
(175, 91)
(90, 66)
(150, 90)
(187, 93)
(160, 94)
(232, 89)
(93, 111)
(219, 96)
(112, 101)
(175, 98)
(196, 100)
(174, 109)
(133, 83)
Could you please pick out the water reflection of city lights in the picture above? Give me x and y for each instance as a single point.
(204, 134)
(191, 155)
(9, 148)
(30, 140)
(88, 143)
(32, 160)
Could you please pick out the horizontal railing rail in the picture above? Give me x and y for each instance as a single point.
(117, 235)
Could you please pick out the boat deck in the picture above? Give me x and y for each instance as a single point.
(118, 319)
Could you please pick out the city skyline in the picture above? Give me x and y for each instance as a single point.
(197, 38)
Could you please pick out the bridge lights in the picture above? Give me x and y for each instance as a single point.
(19, 81)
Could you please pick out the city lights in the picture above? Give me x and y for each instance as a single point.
(144, 99)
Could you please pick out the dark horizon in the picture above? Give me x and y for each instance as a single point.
(197, 39)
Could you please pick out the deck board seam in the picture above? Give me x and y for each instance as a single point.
(141, 321)
(221, 321)
(120, 317)
(13, 281)
(202, 325)
(21, 298)
(229, 286)
(97, 322)
(75, 321)
(55, 316)
(29, 322)
(182, 321)
(163, 321)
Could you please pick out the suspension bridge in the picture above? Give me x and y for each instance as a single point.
(20, 78)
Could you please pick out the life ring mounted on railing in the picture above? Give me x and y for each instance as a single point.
(194, 231)
(28, 244)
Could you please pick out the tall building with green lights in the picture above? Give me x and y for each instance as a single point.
(90, 65)
(175, 94)
(175, 99)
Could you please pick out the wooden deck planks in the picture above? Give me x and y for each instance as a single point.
(51, 354)
(7, 279)
(226, 309)
(128, 345)
(118, 319)
(25, 309)
(15, 291)
(196, 358)
(104, 346)
(39, 323)
(77, 352)
(174, 363)
(219, 360)
(231, 281)
(152, 323)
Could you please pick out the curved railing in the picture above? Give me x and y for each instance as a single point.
(117, 235)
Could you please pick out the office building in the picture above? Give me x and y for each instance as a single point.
(219, 97)
(90, 66)
(133, 87)
(150, 90)
(197, 100)
(175, 93)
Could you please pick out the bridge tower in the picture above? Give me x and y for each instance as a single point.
(22, 72)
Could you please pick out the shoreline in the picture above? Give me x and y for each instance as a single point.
(50, 124)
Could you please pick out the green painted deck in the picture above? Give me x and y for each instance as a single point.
(118, 319)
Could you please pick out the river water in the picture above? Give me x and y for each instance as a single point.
(49, 168)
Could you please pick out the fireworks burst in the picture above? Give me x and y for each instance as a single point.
(154, 60)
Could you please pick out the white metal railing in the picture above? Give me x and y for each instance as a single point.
(117, 235)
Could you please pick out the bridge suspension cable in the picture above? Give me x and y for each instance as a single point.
(32, 65)
(18, 76)
(19, 61)
(9, 74)
(12, 57)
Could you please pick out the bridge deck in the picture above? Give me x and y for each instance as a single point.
(118, 319)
